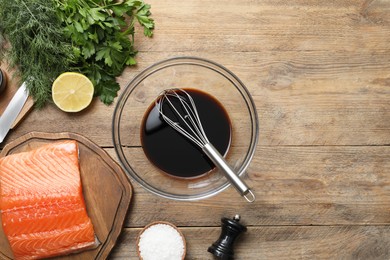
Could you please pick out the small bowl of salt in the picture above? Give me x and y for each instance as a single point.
(161, 240)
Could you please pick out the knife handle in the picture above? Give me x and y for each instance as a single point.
(3, 80)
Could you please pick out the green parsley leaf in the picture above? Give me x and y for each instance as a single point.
(107, 90)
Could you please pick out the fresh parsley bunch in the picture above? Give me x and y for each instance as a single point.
(102, 35)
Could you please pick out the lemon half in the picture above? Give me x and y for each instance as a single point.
(72, 92)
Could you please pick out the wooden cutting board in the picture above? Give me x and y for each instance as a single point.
(106, 187)
(5, 97)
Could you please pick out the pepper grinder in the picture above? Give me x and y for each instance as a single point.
(231, 229)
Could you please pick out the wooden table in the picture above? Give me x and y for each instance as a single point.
(319, 72)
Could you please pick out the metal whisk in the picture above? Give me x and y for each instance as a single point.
(188, 123)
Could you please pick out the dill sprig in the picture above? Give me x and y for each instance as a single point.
(37, 47)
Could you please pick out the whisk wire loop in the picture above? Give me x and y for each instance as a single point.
(192, 126)
(195, 120)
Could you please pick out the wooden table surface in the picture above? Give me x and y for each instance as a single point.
(319, 73)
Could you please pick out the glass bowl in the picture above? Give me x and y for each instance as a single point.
(191, 73)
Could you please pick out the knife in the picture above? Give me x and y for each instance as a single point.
(12, 111)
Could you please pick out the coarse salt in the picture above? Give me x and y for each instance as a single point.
(162, 242)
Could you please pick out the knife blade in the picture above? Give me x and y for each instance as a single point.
(12, 111)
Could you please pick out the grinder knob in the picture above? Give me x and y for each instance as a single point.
(223, 247)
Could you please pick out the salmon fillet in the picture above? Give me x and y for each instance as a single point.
(41, 201)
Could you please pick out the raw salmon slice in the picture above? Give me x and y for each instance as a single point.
(41, 201)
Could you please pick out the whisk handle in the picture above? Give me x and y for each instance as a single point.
(221, 163)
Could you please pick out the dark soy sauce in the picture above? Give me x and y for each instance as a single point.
(173, 153)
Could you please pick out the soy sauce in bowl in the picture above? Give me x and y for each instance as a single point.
(175, 154)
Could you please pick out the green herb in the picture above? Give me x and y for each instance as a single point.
(102, 35)
(37, 47)
(49, 37)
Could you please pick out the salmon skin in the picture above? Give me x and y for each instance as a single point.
(41, 201)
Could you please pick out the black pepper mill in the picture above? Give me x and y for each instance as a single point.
(223, 247)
